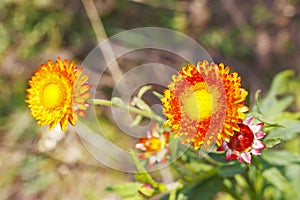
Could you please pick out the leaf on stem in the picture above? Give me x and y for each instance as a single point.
(232, 169)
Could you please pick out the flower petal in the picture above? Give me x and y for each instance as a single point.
(230, 155)
(152, 160)
(240, 159)
(57, 95)
(260, 135)
(149, 134)
(140, 146)
(247, 157)
(255, 151)
(257, 144)
(162, 155)
(223, 147)
(256, 128)
(187, 103)
(248, 121)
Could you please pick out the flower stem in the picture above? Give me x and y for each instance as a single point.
(144, 113)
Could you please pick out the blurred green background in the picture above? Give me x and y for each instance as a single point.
(257, 39)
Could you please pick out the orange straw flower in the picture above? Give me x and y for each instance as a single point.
(154, 146)
(58, 94)
(199, 99)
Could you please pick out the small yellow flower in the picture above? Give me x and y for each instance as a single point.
(58, 94)
(196, 95)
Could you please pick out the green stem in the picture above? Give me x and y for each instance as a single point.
(188, 186)
(206, 157)
(176, 167)
(251, 190)
(232, 193)
(144, 113)
(173, 194)
(211, 161)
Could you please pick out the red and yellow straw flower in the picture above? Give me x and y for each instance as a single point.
(58, 94)
(202, 98)
(154, 146)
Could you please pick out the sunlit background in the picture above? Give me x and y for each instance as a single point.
(257, 39)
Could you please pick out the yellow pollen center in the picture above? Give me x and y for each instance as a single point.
(52, 95)
(154, 144)
(198, 105)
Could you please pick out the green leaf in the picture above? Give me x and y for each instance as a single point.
(291, 130)
(219, 157)
(281, 157)
(207, 189)
(137, 197)
(195, 166)
(293, 174)
(271, 105)
(279, 84)
(275, 177)
(182, 197)
(268, 122)
(142, 175)
(146, 191)
(288, 115)
(257, 106)
(279, 106)
(232, 169)
(145, 178)
(173, 194)
(125, 190)
(268, 118)
(139, 166)
(272, 142)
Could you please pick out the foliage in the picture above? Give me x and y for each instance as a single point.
(33, 31)
(274, 175)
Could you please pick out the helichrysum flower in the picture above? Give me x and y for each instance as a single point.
(154, 147)
(58, 94)
(199, 94)
(245, 142)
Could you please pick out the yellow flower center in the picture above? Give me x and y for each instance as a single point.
(154, 144)
(198, 105)
(52, 95)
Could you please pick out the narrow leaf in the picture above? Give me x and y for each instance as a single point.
(125, 190)
(231, 170)
(291, 130)
(207, 189)
(275, 177)
(281, 157)
(142, 175)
